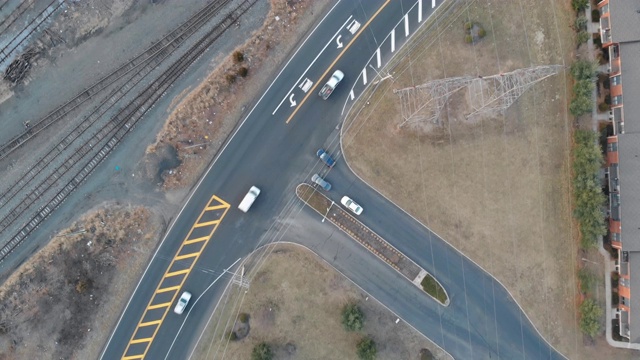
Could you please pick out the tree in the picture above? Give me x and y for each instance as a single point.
(367, 349)
(590, 314)
(583, 37)
(580, 105)
(352, 317)
(262, 351)
(579, 5)
(584, 70)
(581, 23)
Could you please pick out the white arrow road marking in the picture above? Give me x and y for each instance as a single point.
(352, 95)
(339, 42)
(293, 102)
(393, 40)
(364, 76)
(310, 65)
(419, 10)
(378, 58)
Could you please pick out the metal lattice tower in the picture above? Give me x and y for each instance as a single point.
(486, 94)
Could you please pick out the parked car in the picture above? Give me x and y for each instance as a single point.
(325, 157)
(351, 205)
(182, 302)
(320, 181)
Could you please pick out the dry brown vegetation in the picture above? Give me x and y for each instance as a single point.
(49, 306)
(199, 124)
(497, 188)
(294, 304)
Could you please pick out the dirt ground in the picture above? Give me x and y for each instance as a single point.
(201, 121)
(64, 302)
(497, 188)
(294, 304)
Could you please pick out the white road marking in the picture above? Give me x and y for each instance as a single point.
(393, 40)
(419, 10)
(339, 42)
(406, 24)
(433, 3)
(313, 62)
(293, 102)
(353, 27)
(305, 85)
(364, 76)
(378, 58)
(352, 95)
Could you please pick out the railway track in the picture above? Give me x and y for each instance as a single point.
(77, 166)
(143, 62)
(33, 25)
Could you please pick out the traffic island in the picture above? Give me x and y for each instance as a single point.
(331, 211)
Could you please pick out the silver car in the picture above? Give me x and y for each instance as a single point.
(320, 181)
(182, 302)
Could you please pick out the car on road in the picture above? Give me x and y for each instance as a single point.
(320, 181)
(325, 157)
(248, 199)
(182, 302)
(328, 88)
(351, 205)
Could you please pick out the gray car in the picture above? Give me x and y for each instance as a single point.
(320, 181)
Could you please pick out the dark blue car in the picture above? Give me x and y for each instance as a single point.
(325, 157)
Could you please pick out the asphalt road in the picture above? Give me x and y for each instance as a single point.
(482, 320)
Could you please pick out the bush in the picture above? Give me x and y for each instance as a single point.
(243, 317)
(238, 57)
(587, 280)
(243, 72)
(425, 354)
(482, 32)
(595, 15)
(468, 39)
(352, 317)
(584, 70)
(232, 336)
(580, 23)
(603, 107)
(231, 78)
(579, 5)
(590, 314)
(615, 299)
(367, 349)
(467, 26)
(582, 37)
(580, 105)
(587, 160)
(262, 351)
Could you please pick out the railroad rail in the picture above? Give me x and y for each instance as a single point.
(143, 62)
(109, 136)
(14, 15)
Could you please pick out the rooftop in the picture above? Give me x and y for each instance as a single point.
(625, 18)
(629, 170)
(634, 325)
(630, 62)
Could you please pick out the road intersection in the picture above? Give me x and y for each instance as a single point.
(274, 149)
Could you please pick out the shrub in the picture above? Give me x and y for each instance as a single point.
(352, 317)
(232, 336)
(367, 349)
(262, 351)
(433, 288)
(243, 72)
(580, 23)
(615, 299)
(238, 57)
(467, 26)
(584, 70)
(425, 354)
(595, 15)
(603, 107)
(587, 280)
(468, 39)
(582, 37)
(590, 314)
(579, 5)
(243, 317)
(231, 78)
(482, 32)
(587, 160)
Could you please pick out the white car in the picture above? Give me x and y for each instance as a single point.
(351, 205)
(182, 302)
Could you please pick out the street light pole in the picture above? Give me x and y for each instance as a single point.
(587, 260)
(327, 213)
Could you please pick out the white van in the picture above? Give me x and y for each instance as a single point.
(248, 200)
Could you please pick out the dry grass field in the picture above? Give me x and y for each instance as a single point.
(294, 304)
(497, 188)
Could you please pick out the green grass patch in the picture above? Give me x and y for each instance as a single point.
(433, 288)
